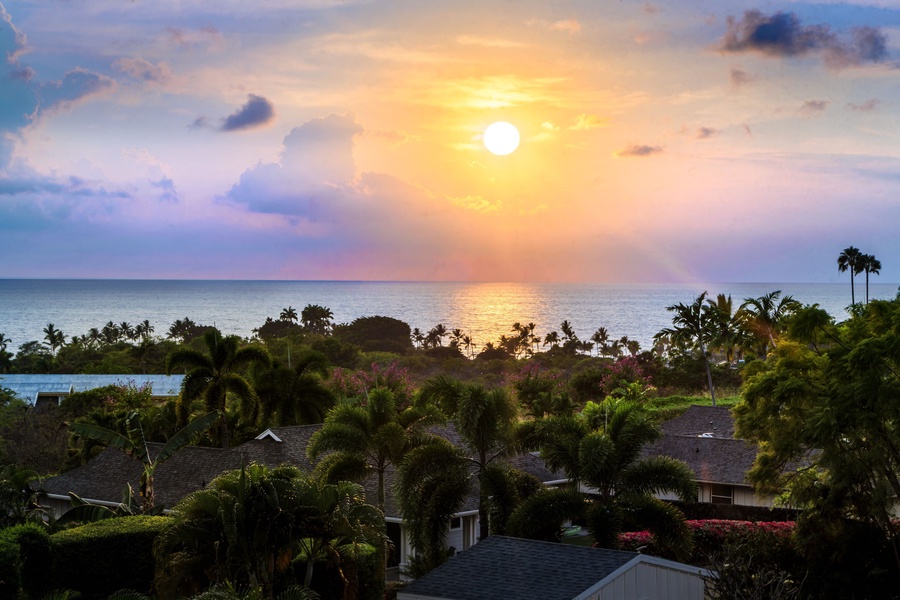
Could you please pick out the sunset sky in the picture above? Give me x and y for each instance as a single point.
(670, 141)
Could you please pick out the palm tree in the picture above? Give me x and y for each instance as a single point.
(360, 440)
(456, 338)
(692, 329)
(134, 444)
(468, 344)
(248, 526)
(4, 341)
(418, 338)
(439, 332)
(601, 449)
(214, 375)
(317, 319)
(54, 337)
(180, 329)
(484, 420)
(110, 333)
(288, 314)
(872, 265)
(765, 315)
(294, 396)
(552, 339)
(95, 336)
(144, 330)
(600, 337)
(126, 330)
(727, 325)
(850, 259)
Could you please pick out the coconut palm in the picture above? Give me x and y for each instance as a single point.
(215, 375)
(359, 440)
(134, 444)
(692, 330)
(850, 260)
(872, 265)
(600, 337)
(765, 315)
(418, 338)
(600, 449)
(294, 396)
(728, 332)
(468, 344)
(552, 339)
(110, 333)
(4, 341)
(484, 420)
(54, 338)
(288, 314)
(144, 330)
(437, 333)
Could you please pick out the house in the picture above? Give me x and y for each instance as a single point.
(103, 479)
(503, 568)
(703, 437)
(42, 389)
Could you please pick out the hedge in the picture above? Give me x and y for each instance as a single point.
(32, 546)
(10, 570)
(100, 558)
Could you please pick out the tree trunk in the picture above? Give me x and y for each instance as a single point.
(712, 392)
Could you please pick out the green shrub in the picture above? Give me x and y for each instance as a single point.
(33, 543)
(99, 558)
(10, 569)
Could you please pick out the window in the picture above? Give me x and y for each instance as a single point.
(722, 494)
(455, 523)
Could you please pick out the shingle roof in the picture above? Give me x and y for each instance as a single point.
(104, 477)
(502, 568)
(712, 459)
(697, 420)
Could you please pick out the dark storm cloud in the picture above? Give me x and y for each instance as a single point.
(782, 34)
(640, 150)
(256, 112)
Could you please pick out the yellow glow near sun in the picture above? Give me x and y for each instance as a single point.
(501, 138)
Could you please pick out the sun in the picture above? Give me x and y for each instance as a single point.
(501, 138)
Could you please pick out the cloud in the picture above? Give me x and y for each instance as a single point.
(814, 107)
(651, 9)
(570, 26)
(19, 39)
(143, 69)
(255, 113)
(867, 106)
(477, 204)
(640, 150)
(393, 138)
(316, 163)
(75, 85)
(783, 35)
(706, 133)
(739, 77)
(583, 122)
(549, 126)
(167, 191)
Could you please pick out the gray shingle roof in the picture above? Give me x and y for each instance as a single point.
(712, 459)
(697, 420)
(503, 568)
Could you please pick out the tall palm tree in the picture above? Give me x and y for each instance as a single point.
(692, 330)
(765, 315)
(456, 337)
(872, 265)
(111, 333)
(288, 314)
(294, 396)
(484, 420)
(727, 325)
(418, 338)
(215, 375)
(850, 260)
(552, 339)
(439, 332)
(55, 338)
(600, 337)
(134, 444)
(601, 449)
(4, 341)
(359, 440)
(127, 330)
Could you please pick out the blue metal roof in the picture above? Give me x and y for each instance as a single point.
(28, 386)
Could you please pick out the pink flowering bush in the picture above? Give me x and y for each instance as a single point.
(345, 383)
(712, 535)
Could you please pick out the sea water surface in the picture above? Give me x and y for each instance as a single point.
(485, 311)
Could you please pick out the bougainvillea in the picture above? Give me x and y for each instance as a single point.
(711, 535)
(357, 384)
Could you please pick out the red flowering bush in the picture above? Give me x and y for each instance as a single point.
(357, 384)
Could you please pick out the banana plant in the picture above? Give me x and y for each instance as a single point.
(134, 444)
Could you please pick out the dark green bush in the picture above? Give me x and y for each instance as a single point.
(10, 569)
(33, 544)
(99, 558)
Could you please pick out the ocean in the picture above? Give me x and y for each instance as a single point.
(485, 311)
